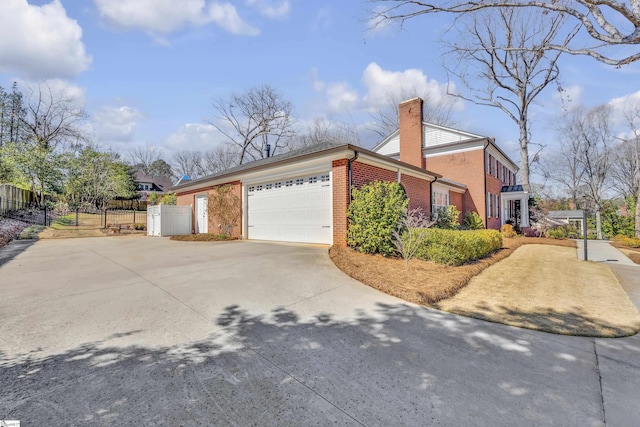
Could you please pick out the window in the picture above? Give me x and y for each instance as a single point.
(288, 183)
(278, 184)
(269, 186)
(313, 179)
(496, 206)
(259, 188)
(252, 188)
(489, 207)
(299, 181)
(439, 199)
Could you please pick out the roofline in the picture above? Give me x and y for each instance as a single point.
(288, 160)
(492, 142)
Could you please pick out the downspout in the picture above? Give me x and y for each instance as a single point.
(351, 160)
(431, 196)
(484, 175)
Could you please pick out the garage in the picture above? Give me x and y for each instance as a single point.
(293, 209)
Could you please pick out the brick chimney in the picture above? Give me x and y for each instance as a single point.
(410, 117)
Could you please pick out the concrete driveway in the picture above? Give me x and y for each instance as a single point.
(147, 331)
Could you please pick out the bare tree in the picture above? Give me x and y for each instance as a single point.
(491, 46)
(624, 167)
(255, 120)
(608, 23)
(325, 131)
(52, 119)
(218, 159)
(594, 130)
(563, 166)
(437, 110)
(189, 163)
(627, 163)
(143, 157)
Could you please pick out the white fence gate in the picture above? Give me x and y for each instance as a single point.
(168, 220)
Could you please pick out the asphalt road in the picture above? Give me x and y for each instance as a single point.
(148, 331)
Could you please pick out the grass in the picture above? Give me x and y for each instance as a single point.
(425, 282)
(540, 286)
(549, 289)
(31, 232)
(203, 237)
(632, 253)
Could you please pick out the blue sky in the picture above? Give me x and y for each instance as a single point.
(147, 71)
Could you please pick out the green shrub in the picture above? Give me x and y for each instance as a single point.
(630, 242)
(169, 199)
(447, 218)
(507, 230)
(557, 233)
(374, 213)
(472, 221)
(455, 247)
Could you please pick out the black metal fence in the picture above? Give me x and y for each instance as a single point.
(27, 212)
(85, 218)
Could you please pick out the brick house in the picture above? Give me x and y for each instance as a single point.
(488, 174)
(303, 195)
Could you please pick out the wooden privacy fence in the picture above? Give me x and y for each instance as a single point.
(13, 198)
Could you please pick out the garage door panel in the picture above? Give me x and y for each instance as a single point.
(296, 209)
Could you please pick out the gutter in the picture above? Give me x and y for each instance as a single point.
(484, 176)
(351, 160)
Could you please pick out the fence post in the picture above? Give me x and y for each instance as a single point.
(105, 218)
(45, 217)
(134, 217)
(77, 214)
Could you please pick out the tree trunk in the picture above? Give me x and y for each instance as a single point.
(524, 155)
(598, 224)
(637, 215)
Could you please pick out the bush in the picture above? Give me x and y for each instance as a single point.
(169, 199)
(472, 221)
(507, 231)
(454, 247)
(446, 218)
(374, 213)
(562, 232)
(139, 226)
(630, 242)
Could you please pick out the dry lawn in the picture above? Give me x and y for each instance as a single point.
(632, 253)
(541, 286)
(424, 282)
(547, 288)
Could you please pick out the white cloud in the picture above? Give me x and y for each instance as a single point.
(272, 9)
(323, 20)
(226, 17)
(55, 89)
(625, 114)
(194, 137)
(116, 125)
(382, 86)
(40, 41)
(166, 16)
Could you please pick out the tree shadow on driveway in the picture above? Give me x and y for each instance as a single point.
(400, 365)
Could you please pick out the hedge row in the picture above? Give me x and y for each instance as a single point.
(453, 247)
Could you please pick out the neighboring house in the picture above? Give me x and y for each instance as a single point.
(558, 218)
(303, 195)
(151, 184)
(488, 174)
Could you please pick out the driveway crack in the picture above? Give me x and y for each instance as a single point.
(595, 352)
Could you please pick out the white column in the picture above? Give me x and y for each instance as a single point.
(524, 211)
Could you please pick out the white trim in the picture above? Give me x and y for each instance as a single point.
(444, 186)
(460, 148)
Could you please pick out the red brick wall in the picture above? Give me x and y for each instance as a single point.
(494, 186)
(467, 168)
(455, 199)
(419, 193)
(341, 197)
(188, 199)
(363, 174)
(410, 118)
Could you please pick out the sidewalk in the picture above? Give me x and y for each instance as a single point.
(602, 251)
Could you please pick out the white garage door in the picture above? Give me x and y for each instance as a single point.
(294, 209)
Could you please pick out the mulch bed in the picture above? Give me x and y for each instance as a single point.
(425, 282)
(10, 229)
(202, 237)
